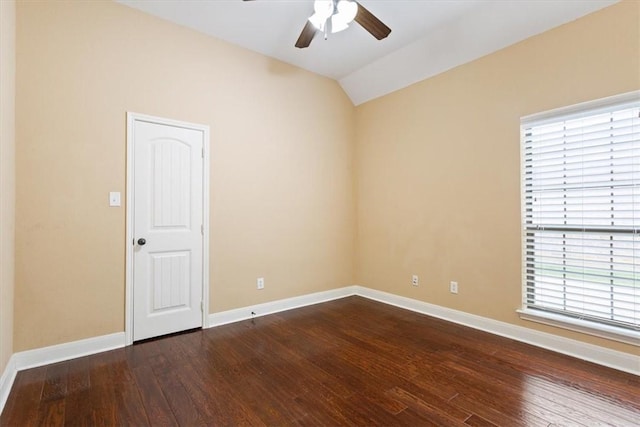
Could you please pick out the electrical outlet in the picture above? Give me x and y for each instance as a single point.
(453, 287)
(260, 283)
(414, 280)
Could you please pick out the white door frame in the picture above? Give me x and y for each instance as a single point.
(131, 119)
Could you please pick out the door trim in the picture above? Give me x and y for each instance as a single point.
(131, 119)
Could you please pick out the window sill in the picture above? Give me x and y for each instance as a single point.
(584, 326)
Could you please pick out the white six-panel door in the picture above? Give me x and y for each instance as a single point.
(167, 228)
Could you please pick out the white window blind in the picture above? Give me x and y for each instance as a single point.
(581, 213)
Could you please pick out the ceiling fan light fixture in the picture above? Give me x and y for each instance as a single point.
(346, 13)
(338, 23)
(323, 8)
(347, 10)
(318, 21)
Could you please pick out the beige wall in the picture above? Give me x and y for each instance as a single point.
(282, 204)
(438, 164)
(7, 176)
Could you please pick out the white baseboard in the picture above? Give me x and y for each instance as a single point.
(603, 356)
(244, 313)
(52, 354)
(6, 381)
(70, 350)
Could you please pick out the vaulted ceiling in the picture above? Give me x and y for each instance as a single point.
(427, 37)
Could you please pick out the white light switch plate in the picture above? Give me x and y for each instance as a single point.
(114, 198)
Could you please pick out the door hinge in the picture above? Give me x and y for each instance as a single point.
(202, 306)
(203, 152)
(202, 229)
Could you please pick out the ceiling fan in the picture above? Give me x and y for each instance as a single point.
(336, 15)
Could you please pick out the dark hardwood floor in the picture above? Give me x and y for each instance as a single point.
(346, 362)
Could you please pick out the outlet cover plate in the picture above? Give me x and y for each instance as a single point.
(453, 287)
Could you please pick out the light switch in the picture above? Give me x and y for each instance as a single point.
(114, 198)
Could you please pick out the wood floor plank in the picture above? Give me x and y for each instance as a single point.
(377, 410)
(55, 383)
(534, 396)
(508, 399)
(477, 421)
(95, 406)
(602, 406)
(435, 381)
(367, 382)
(130, 410)
(450, 416)
(186, 412)
(78, 378)
(260, 388)
(307, 376)
(155, 404)
(348, 362)
(409, 417)
(502, 415)
(216, 396)
(368, 360)
(51, 413)
(27, 389)
(330, 409)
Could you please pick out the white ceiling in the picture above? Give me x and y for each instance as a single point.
(427, 37)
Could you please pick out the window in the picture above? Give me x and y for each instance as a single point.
(581, 216)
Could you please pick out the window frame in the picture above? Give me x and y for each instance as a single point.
(587, 326)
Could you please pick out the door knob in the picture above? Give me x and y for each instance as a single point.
(142, 242)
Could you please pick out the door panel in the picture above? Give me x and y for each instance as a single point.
(168, 272)
(168, 215)
(170, 184)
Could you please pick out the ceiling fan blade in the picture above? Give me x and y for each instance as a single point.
(306, 35)
(369, 22)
